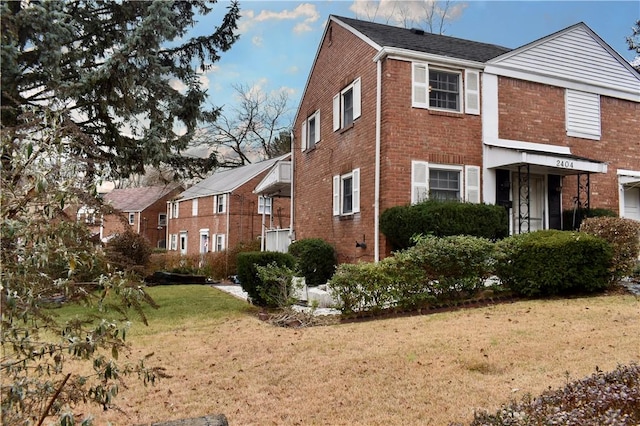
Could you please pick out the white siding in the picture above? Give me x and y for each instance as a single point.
(583, 114)
(573, 55)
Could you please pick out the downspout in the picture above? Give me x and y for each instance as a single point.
(226, 239)
(376, 185)
(291, 232)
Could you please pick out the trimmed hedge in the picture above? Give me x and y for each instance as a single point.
(248, 273)
(624, 237)
(551, 262)
(316, 260)
(401, 223)
(436, 270)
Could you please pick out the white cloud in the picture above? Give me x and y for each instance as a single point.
(257, 41)
(293, 69)
(306, 13)
(178, 85)
(427, 14)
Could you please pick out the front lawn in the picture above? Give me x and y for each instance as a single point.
(429, 369)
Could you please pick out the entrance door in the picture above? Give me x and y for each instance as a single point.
(534, 218)
(183, 243)
(631, 202)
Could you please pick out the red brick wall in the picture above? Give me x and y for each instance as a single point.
(245, 224)
(406, 134)
(535, 112)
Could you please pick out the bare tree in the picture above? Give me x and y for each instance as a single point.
(429, 15)
(252, 130)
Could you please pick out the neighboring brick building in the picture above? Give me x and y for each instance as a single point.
(392, 116)
(143, 210)
(222, 210)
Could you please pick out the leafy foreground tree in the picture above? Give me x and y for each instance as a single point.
(87, 93)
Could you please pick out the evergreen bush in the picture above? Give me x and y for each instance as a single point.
(250, 280)
(572, 218)
(442, 218)
(316, 260)
(552, 262)
(129, 251)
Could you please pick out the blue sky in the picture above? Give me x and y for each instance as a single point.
(279, 39)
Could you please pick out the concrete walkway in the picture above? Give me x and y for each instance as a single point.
(237, 291)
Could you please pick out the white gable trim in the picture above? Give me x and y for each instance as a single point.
(355, 32)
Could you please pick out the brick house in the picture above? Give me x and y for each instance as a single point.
(223, 210)
(143, 210)
(392, 116)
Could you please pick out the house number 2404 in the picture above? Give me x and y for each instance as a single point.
(565, 164)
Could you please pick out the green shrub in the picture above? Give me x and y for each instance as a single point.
(129, 251)
(316, 260)
(399, 224)
(624, 237)
(553, 262)
(455, 266)
(247, 263)
(572, 218)
(602, 399)
(276, 287)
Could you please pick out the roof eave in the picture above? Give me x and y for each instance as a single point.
(412, 55)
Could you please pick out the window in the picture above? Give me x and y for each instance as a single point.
(173, 242)
(444, 182)
(132, 218)
(347, 106)
(346, 193)
(583, 114)
(264, 205)
(183, 243)
(220, 204)
(441, 89)
(220, 242)
(204, 240)
(162, 219)
(311, 131)
(194, 207)
(175, 209)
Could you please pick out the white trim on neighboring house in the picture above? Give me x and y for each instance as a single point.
(627, 180)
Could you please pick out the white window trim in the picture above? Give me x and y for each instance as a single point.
(132, 218)
(265, 202)
(222, 238)
(219, 197)
(427, 88)
(194, 207)
(173, 244)
(306, 129)
(338, 195)
(338, 104)
(160, 221)
(204, 232)
(176, 209)
(466, 190)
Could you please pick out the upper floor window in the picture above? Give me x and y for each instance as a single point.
(132, 218)
(311, 131)
(347, 105)
(346, 193)
(162, 219)
(175, 209)
(583, 114)
(444, 182)
(194, 207)
(220, 203)
(441, 89)
(264, 205)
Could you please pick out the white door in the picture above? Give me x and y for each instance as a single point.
(183, 243)
(631, 202)
(536, 204)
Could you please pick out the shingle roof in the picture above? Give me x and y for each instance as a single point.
(403, 38)
(137, 199)
(225, 181)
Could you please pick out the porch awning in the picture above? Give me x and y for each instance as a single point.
(541, 162)
(629, 178)
(277, 183)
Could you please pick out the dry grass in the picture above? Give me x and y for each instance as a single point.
(427, 370)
